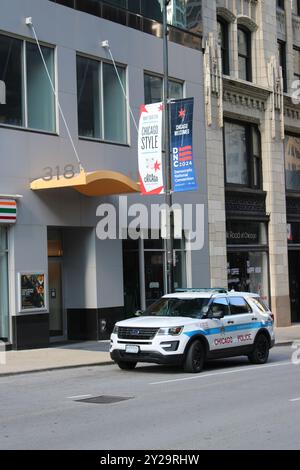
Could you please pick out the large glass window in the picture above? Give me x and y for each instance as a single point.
(236, 154)
(282, 62)
(244, 54)
(3, 284)
(88, 96)
(242, 154)
(292, 162)
(39, 113)
(102, 110)
(40, 97)
(10, 73)
(153, 85)
(224, 43)
(297, 63)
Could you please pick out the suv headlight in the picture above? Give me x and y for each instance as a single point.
(174, 331)
(115, 330)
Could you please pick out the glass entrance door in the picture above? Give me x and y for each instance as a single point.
(55, 299)
(154, 276)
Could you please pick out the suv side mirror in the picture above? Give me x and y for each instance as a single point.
(138, 313)
(218, 315)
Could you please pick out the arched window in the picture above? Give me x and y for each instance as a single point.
(244, 53)
(223, 36)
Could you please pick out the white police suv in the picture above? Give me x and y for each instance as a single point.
(193, 325)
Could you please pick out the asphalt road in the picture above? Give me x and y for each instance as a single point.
(230, 405)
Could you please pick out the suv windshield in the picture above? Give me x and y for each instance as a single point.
(192, 308)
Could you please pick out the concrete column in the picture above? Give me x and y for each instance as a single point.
(274, 184)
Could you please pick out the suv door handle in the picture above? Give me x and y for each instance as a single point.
(230, 322)
(254, 319)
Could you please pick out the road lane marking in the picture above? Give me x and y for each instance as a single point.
(79, 396)
(295, 399)
(232, 371)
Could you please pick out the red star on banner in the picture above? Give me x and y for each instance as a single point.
(143, 109)
(181, 113)
(161, 107)
(156, 166)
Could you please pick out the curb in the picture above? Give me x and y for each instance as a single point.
(51, 369)
(94, 364)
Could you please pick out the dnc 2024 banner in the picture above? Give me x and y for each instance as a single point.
(183, 169)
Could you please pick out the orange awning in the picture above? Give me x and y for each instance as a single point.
(95, 183)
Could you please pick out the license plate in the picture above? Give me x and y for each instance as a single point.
(131, 349)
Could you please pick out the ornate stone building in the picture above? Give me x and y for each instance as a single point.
(252, 59)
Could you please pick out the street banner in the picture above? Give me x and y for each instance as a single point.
(183, 169)
(150, 149)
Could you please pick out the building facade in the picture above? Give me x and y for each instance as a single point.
(58, 280)
(240, 61)
(252, 134)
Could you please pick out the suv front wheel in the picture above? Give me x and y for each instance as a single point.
(260, 353)
(194, 360)
(126, 365)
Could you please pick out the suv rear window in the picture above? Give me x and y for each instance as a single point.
(260, 304)
(238, 306)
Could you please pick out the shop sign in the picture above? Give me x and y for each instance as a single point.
(32, 292)
(8, 211)
(242, 234)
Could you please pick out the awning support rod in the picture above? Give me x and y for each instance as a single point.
(105, 45)
(29, 23)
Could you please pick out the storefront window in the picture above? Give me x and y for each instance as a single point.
(153, 260)
(3, 284)
(247, 256)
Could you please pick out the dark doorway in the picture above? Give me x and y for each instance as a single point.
(294, 278)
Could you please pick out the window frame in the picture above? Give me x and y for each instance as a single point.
(249, 127)
(296, 75)
(225, 50)
(288, 190)
(250, 310)
(283, 62)
(101, 139)
(170, 79)
(248, 56)
(23, 72)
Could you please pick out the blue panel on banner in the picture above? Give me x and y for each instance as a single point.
(183, 169)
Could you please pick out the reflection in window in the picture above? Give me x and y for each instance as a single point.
(224, 43)
(292, 162)
(40, 98)
(114, 105)
(153, 85)
(244, 53)
(101, 115)
(10, 73)
(38, 95)
(88, 95)
(236, 154)
(243, 155)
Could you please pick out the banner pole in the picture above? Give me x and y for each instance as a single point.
(168, 242)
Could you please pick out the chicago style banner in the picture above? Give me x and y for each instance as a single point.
(183, 170)
(150, 149)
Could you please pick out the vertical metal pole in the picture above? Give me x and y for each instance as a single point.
(168, 265)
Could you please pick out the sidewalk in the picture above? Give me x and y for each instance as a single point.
(89, 353)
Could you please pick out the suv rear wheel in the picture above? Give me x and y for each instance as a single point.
(260, 353)
(126, 365)
(194, 360)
